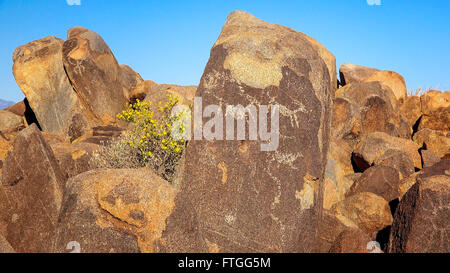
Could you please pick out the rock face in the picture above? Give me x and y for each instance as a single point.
(352, 73)
(235, 197)
(339, 166)
(391, 80)
(370, 212)
(39, 72)
(435, 141)
(435, 107)
(398, 160)
(31, 193)
(5, 247)
(141, 90)
(422, 217)
(94, 73)
(129, 78)
(351, 241)
(364, 108)
(382, 180)
(114, 211)
(9, 120)
(374, 145)
(411, 109)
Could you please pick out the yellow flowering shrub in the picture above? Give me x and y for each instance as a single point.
(149, 143)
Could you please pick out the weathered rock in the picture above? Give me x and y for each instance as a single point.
(429, 158)
(435, 141)
(102, 135)
(39, 72)
(18, 108)
(381, 180)
(329, 229)
(235, 197)
(374, 145)
(31, 193)
(422, 217)
(346, 120)
(376, 108)
(116, 210)
(94, 73)
(370, 212)
(141, 90)
(392, 80)
(411, 109)
(74, 159)
(339, 165)
(351, 241)
(352, 73)
(434, 100)
(5, 247)
(9, 120)
(435, 107)
(185, 94)
(129, 78)
(438, 120)
(398, 160)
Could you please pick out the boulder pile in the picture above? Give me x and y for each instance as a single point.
(361, 166)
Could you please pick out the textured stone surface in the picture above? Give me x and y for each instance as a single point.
(346, 120)
(392, 80)
(117, 210)
(94, 73)
(141, 90)
(31, 193)
(352, 73)
(375, 106)
(374, 145)
(351, 241)
(435, 141)
(339, 165)
(382, 180)
(9, 120)
(370, 212)
(398, 160)
(422, 217)
(429, 158)
(235, 197)
(5, 247)
(411, 109)
(129, 78)
(39, 72)
(185, 94)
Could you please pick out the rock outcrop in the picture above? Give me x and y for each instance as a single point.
(114, 211)
(9, 120)
(31, 193)
(421, 219)
(39, 71)
(235, 197)
(352, 73)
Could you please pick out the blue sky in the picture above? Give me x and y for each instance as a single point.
(169, 41)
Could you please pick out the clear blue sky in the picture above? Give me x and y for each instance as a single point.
(169, 41)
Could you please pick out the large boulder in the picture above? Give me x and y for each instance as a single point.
(94, 73)
(391, 80)
(129, 78)
(352, 73)
(382, 180)
(140, 91)
(435, 107)
(346, 120)
(374, 145)
(411, 109)
(351, 241)
(368, 107)
(422, 217)
(235, 197)
(437, 142)
(31, 193)
(115, 210)
(398, 160)
(370, 212)
(185, 94)
(9, 120)
(39, 71)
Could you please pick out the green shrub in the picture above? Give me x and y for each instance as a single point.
(149, 143)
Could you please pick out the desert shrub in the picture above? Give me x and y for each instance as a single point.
(149, 143)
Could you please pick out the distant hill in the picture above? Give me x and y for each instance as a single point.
(5, 103)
